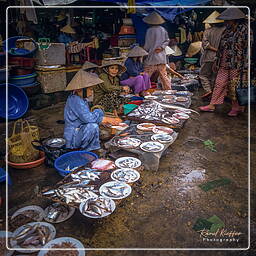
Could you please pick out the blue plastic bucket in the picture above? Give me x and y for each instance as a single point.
(73, 159)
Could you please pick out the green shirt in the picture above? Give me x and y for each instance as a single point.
(108, 86)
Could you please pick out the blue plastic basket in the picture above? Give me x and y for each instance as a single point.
(23, 79)
(17, 101)
(73, 159)
(18, 52)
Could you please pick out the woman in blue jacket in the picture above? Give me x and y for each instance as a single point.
(81, 125)
(135, 77)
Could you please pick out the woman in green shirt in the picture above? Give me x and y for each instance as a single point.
(108, 94)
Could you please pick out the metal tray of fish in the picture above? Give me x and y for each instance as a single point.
(169, 101)
(184, 93)
(186, 111)
(181, 116)
(146, 127)
(182, 99)
(152, 146)
(172, 97)
(163, 129)
(128, 162)
(74, 243)
(170, 120)
(115, 190)
(32, 237)
(170, 91)
(150, 97)
(34, 212)
(97, 207)
(57, 213)
(128, 142)
(162, 138)
(127, 175)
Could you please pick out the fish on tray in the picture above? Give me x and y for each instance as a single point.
(98, 207)
(115, 190)
(126, 175)
(128, 142)
(57, 211)
(32, 236)
(128, 162)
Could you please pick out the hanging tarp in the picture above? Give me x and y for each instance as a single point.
(58, 2)
(159, 3)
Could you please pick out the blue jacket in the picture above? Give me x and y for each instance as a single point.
(81, 125)
(134, 68)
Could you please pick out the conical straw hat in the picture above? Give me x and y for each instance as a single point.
(154, 19)
(137, 52)
(122, 68)
(194, 48)
(83, 79)
(88, 65)
(232, 14)
(177, 51)
(169, 50)
(68, 29)
(61, 16)
(212, 18)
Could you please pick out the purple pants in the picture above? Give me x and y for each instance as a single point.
(138, 83)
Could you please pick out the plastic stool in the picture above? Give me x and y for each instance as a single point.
(3, 175)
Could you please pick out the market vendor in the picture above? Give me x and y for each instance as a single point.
(109, 93)
(81, 125)
(155, 42)
(66, 35)
(135, 77)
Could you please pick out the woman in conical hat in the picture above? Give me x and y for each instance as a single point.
(210, 45)
(135, 77)
(232, 60)
(108, 94)
(156, 41)
(81, 125)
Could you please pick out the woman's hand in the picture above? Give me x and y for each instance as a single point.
(126, 89)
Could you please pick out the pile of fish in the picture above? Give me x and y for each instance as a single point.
(71, 194)
(128, 142)
(32, 236)
(97, 207)
(86, 175)
(115, 190)
(152, 146)
(148, 111)
(128, 162)
(57, 212)
(126, 175)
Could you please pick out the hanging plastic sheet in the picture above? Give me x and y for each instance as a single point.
(58, 2)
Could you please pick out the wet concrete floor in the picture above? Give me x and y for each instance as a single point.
(164, 205)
